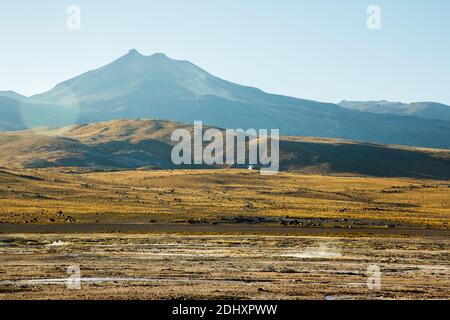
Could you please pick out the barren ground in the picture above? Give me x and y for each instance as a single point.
(163, 266)
(224, 234)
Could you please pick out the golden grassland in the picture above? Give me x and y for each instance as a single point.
(72, 195)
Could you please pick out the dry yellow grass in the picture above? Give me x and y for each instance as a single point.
(70, 195)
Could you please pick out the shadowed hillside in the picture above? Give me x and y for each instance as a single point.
(131, 144)
(332, 156)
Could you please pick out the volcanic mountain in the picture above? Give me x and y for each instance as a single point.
(136, 86)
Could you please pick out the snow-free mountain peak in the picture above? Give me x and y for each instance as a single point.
(158, 87)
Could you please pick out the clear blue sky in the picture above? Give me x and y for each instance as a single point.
(315, 49)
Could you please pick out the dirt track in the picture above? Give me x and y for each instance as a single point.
(222, 228)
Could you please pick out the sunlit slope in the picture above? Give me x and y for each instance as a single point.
(130, 144)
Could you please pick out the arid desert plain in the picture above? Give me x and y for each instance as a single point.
(225, 234)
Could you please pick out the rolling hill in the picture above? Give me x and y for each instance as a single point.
(12, 95)
(157, 87)
(133, 144)
(425, 110)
